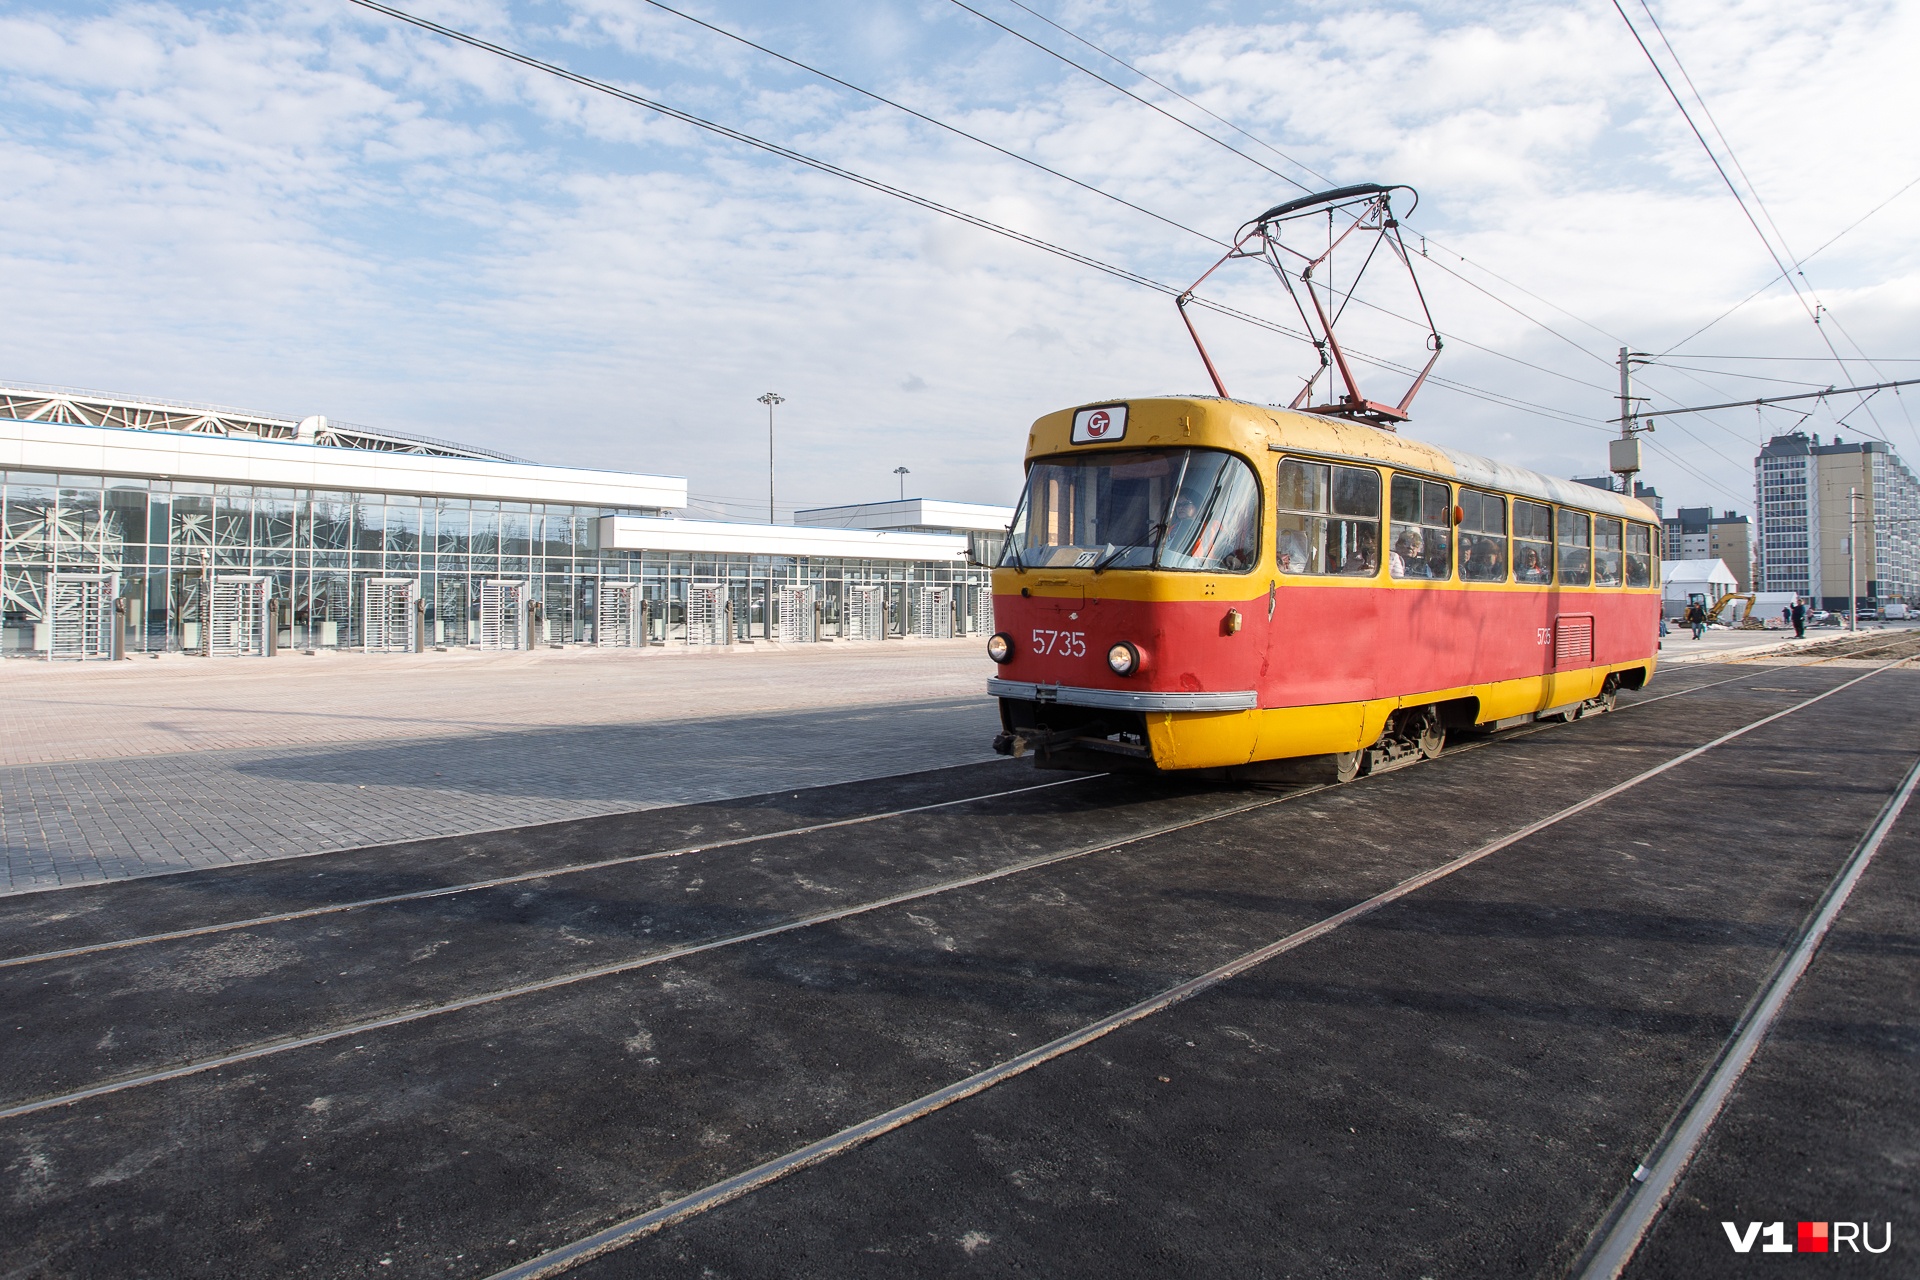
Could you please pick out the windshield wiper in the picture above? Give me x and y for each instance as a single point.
(1118, 550)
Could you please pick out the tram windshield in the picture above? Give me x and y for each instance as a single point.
(1195, 509)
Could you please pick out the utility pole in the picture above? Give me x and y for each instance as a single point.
(1623, 455)
(903, 473)
(1853, 561)
(770, 399)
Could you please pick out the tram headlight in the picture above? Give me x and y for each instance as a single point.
(1000, 647)
(1124, 658)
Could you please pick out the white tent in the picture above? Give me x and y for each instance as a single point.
(1682, 578)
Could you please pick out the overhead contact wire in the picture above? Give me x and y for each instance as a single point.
(913, 198)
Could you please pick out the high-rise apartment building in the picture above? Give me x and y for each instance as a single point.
(1730, 538)
(1695, 533)
(1803, 491)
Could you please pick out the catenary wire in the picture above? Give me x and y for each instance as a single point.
(1258, 141)
(936, 123)
(1776, 280)
(1164, 86)
(1814, 309)
(927, 203)
(1121, 89)
(1428, 240)
(1171, 222)
(1555, 333)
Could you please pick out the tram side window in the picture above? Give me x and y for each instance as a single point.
(1639, 555)
(1575, 548)
(1532, 542)
(1300, 493)
(1606, 552)
(1483, 536)
(1422, 529)
(1329, 519)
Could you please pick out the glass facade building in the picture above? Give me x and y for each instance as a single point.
(163, 535)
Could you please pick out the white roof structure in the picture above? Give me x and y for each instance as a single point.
(642, 533)
(913, 513)
(1696, 575)
(288, 463)
(30, 403)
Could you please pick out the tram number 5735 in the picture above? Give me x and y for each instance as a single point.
(1068, 644)
(1543, 635)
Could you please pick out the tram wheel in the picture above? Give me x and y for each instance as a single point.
(1430, 736)
(1346, 765)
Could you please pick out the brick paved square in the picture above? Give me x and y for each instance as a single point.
(149, 766)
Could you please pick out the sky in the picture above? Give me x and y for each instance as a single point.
(303, 206)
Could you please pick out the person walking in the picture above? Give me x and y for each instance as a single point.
(1697, 618)
(1799, 619)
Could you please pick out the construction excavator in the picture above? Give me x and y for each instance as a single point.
(1747, 622)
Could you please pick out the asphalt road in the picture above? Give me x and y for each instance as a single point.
(452, 1056)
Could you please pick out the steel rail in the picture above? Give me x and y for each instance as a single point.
(565, 1257)
(1620, 1233)
(475, 886)
(617, 968)
(522, 877)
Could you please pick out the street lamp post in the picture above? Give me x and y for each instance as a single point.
(770, 399)
(903, 473)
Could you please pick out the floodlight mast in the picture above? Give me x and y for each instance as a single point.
(1369, 211)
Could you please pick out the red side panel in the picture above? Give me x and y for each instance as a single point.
(1329, 644)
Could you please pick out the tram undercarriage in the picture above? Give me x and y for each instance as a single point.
(1064, 736)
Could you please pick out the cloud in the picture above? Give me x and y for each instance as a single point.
(305, 209)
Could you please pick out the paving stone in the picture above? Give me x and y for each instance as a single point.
(136, 769)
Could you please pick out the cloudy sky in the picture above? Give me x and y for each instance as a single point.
(301, 206)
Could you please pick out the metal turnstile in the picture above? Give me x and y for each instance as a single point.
(82, 616)
(983, 619)
(620, 618)
(389, 620)
(707, 613)
(935, 618)
(864, 616)
(503, 614)
(240, 618)
(799, 618)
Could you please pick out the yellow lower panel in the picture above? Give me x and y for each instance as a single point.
(1218, 739)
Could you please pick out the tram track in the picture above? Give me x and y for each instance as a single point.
(128, 991)
(566, 1257)
(364, 1026)
(559, 871)
(1062, 968)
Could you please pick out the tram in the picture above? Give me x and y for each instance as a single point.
(1204, 584)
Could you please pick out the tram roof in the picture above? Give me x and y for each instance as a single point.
(1320, 434)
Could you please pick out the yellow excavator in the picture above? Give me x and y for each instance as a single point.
(1747, 622)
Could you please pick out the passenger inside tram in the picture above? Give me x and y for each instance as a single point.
(1409, 554)
(1531, 568)
(1361, 557)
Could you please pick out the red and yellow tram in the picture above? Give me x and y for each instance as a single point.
(1205, 584)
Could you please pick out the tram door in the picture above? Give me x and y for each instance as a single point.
(798, 618)
(503, 614)
(81, 609)
(935, 618)
(389, 623)
(618, 618)
(865, 615)
(240, 618)
(707, 613)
